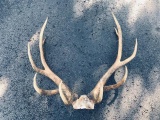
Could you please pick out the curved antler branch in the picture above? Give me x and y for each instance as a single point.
(32, 62)
(132, 56)
(42, 91)
(111, 87)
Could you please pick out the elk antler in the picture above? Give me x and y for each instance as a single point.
(63, 89)
(96, 95)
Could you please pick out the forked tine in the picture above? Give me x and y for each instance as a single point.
(119, 34)
(110, 87)
(42, 91)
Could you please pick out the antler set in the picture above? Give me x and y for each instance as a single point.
(96, 95)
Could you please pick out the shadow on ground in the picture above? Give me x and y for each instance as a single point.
(80, 46)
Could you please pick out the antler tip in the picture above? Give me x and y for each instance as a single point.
(28, 46)
(136, 44)
(44, 25)
(112, 13)
(46, 18)
(136, 41)
(126, 69)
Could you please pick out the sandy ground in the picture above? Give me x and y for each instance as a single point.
(81, 45)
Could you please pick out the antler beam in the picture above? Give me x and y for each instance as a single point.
(100, 87)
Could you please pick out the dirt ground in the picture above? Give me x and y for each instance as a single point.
(80, 46)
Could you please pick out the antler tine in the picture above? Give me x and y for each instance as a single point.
(42, 91)
(132, 56)
(41, 45)
(110, 87)
(32, 62)
(100, 87)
